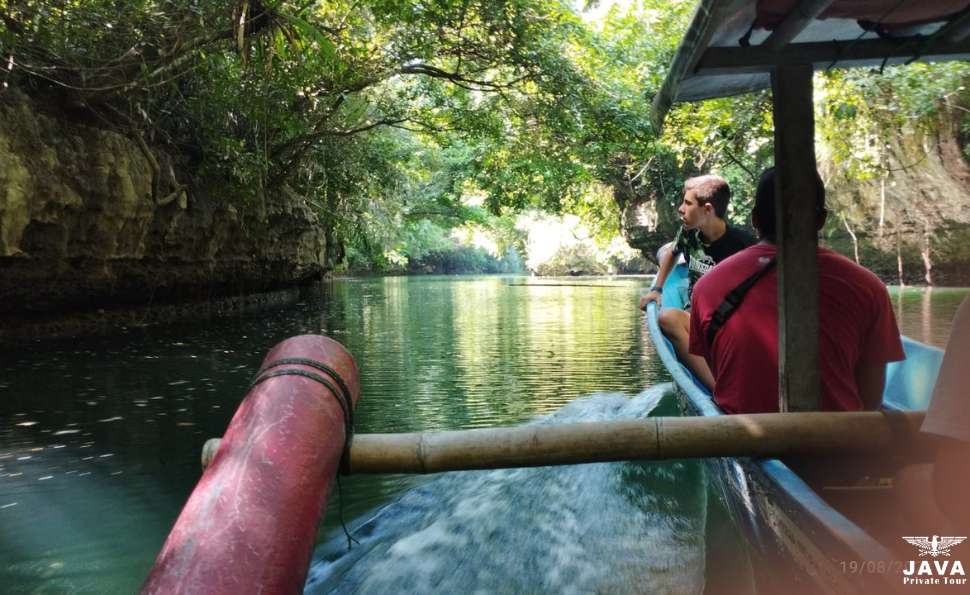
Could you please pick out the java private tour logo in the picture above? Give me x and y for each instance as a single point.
(942, 569)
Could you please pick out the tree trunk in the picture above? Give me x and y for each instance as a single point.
(855, 240)
(899, 258)
(925, 253)
(882, 205)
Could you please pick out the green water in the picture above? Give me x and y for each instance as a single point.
(100, 437)
(925, 314)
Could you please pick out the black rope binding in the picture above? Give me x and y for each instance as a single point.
(302, 361)
(341, 393)
(340, 515)
(838, 55)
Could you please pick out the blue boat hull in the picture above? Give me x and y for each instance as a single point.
(799, 541)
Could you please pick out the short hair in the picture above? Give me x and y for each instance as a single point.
(711, 189)
(764, 203)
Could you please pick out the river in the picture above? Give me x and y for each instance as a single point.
(100, 438)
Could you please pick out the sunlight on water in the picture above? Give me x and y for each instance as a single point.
(100, 436)
(607, 527)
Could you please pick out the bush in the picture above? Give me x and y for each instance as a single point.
(574, 259)
(466, 260)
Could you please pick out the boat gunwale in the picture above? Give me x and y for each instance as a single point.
(797, 497)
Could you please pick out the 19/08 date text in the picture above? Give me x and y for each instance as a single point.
(870, 566)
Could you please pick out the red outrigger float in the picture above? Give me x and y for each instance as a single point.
(251, 520)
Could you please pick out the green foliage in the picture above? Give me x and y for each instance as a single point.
(597, 210)
(401, 121)
(732, 137)
(858, 106)
(573, 259)
(467, 260)
(381, 113)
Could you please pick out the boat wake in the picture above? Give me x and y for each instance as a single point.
(605, 527)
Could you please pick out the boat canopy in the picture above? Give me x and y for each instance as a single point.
(737, 46)
(731, 46)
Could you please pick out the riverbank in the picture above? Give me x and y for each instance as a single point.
(112, 319)
(122, 317)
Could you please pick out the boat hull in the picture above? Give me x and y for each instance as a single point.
(798, 542)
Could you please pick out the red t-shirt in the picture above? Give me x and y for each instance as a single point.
(856, 326)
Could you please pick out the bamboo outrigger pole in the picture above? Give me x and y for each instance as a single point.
(757, 435)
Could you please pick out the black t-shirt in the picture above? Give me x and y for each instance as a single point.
(734, 240)
(701, 256)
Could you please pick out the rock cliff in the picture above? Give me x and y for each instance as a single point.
(91, 218)
(913, 218)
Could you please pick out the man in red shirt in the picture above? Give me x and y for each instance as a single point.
(857, 330)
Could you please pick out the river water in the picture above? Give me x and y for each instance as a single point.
(100, 439)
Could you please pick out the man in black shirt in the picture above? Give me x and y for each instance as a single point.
(705, 239)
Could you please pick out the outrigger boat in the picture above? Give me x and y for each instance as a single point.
(797, 516)
(812, 515)
(827, 524)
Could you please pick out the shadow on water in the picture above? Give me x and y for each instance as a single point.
(633, 527)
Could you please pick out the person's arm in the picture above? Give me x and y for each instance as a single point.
(666, 265)
(871, 380)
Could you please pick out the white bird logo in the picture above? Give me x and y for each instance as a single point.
(937, 546)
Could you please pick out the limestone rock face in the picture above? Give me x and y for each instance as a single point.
(647, 219)
(916, 214)
(88, 219)
(643, 226)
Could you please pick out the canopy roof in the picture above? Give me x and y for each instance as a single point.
(731, 46)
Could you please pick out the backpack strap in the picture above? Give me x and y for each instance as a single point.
(733, 299)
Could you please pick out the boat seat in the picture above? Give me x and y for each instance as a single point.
(909, 384)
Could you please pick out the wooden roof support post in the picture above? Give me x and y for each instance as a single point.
(794, 117)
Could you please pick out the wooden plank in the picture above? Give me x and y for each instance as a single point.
(695, 41)
(707, 17)
(822, 55)
(798, 377)
(655, 438)
(797, 20)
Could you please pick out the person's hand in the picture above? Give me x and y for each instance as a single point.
(652, 296)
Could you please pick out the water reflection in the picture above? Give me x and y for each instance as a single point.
(925, 313)
(100, 437)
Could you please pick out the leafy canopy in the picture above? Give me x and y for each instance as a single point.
(400, 120)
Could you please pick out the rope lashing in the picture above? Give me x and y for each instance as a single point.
(341, 394)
